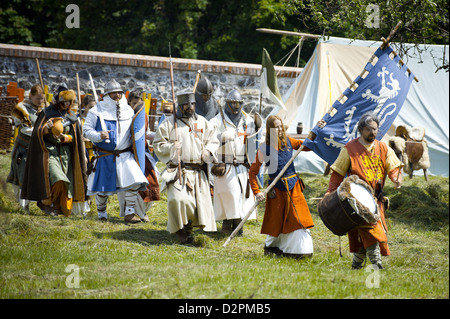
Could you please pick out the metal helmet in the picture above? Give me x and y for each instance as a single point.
(113, 86)
(234, 96)
(185, 98)
(204, 87)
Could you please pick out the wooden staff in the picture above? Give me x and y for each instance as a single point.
(39, 71)
(197, 78)
(40, 79)
(78, 94)
(311, 137)
(386, 44)
(174, 112)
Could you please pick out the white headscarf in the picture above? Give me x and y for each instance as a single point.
(108, 107)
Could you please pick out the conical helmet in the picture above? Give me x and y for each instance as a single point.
(204, 87)
(112, 86)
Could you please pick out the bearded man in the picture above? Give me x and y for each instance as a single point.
(192, 144)
(371, 160)
(110, 125)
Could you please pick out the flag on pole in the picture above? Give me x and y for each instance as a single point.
(381, 88)
(269, 84)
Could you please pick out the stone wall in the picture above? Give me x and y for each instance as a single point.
(151, 73)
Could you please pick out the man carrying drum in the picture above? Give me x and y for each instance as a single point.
(371, 160)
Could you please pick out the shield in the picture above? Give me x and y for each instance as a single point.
(253, 140)
(138, 135)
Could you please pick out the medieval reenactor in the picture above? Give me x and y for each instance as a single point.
(232, 193)
(371, 160)
(24, 115)
(186, 149)
(55, 172)
(205, 105)
(114, 128)
(145, 198)
(287, 218)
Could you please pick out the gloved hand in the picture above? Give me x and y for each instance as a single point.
(228, 135)
(175, 150)
(177, 145)
(64, 138)
(207, 156)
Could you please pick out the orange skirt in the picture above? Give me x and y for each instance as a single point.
(284, 216)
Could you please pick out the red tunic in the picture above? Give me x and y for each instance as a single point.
(370, 167)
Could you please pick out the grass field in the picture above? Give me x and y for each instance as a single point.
(80, 257)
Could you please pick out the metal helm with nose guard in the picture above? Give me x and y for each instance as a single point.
(113, 86)
(234, 96)
(204, 87)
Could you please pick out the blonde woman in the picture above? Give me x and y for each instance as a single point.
(287, 218)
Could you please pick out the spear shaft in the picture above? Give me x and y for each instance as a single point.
(174, 112)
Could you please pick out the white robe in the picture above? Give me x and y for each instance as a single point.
(189, 200)
(297, 242)
(230, 200)
(129, 174)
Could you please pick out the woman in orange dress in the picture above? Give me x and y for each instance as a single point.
(287, 218)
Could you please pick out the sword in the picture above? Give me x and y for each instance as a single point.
(99, 114)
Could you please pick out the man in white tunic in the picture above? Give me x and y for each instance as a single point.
(232, 194)
(193, 144)
(108, 126)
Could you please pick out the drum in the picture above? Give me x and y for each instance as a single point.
(353, 204)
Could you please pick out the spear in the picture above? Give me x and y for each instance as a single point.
(78, 94)
(197, 78)
(174, 111)
(40, 79)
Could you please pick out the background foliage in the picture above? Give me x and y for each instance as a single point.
(215, 30)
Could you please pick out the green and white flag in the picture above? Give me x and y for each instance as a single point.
(269, 84)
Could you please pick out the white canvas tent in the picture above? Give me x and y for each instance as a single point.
(336, 62)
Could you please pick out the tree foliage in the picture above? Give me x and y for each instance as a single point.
(216, 30)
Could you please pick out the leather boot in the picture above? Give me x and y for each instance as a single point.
(236, 223)
(130, 216)
(227, 226)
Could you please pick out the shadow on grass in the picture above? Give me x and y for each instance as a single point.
(161, 237)
(137, 235)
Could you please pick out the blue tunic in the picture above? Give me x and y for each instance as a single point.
(284, 155)
(105, 168)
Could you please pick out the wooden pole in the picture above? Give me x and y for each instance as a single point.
(197, 78)
(390, 36)
(386, 44)
(39, 71)
(174, 112)
(79, 95)
(40, 79)
(290, 33)
(389, 39)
